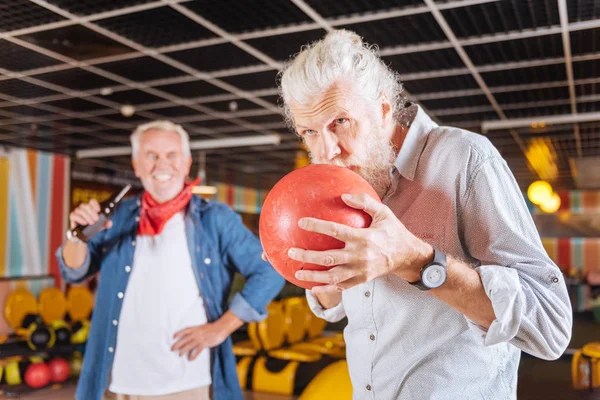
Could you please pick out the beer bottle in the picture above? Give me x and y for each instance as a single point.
(107, 207)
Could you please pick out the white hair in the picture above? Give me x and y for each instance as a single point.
(341, 56)
(161, 125)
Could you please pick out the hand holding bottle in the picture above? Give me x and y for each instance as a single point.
(91, 218)
(87, 214)
(75, 250)
(85, 222)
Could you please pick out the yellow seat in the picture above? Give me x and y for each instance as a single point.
(19, 304)
(80, 303)
(279, 381)
(314, 325)
(271, 331)
(52, 305)
(325, 348)
(591, 350)
(333, 382)
(244, 348)
(294, 310)
(296, 354)
(585, 367)
(242, 367)
(330, 341)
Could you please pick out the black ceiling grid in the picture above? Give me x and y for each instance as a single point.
(63, 81)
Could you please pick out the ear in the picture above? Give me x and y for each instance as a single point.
(188, 164)
(134, 163)
(386, 108)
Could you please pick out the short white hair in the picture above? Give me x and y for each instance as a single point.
(341, 56)
(161, 125)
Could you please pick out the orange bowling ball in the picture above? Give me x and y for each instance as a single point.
(313, 191)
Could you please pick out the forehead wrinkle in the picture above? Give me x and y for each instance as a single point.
(329, 103)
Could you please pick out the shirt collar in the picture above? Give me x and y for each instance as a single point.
(414, 143)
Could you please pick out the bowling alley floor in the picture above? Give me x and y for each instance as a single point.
(69, 393)
(538, 379)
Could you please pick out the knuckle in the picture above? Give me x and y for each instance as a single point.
(328, 260)
(334, 231)
(369, 254)
(334, 280)
(369, 236)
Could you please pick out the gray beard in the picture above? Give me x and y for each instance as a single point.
(376, 168)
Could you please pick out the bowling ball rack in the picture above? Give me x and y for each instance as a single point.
(16, 347)
(17, 391)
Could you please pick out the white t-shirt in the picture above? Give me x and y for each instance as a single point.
(162, 297)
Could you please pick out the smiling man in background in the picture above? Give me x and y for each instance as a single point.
(161, 325)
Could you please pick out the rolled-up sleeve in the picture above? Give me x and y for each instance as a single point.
(91, 264)
(526, 288)
(333, 314)
(71, 275)
(242, 251)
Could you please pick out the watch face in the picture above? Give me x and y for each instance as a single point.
(434, 276)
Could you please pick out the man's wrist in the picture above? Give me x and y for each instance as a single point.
(229, 322)
(424, 254)
(70, 238)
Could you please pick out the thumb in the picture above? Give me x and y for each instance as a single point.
(108, 224)
(363, 202)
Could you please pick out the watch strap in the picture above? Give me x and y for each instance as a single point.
(439, 258)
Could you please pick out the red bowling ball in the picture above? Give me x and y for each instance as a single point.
(59, 370)
(313, 191)
(37, 375)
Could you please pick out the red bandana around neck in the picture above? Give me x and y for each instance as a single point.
(154, 215)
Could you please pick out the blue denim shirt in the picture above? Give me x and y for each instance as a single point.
(219, 245)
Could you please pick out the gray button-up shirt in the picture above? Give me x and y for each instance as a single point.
(452, 189)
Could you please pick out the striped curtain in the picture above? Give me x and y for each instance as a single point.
(578, 254)
(34, 201)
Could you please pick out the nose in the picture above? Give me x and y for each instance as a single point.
(161, 162)
(330, 147)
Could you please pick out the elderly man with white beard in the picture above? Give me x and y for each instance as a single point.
(450, 282)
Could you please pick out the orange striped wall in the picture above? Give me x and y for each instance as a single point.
(42, 181)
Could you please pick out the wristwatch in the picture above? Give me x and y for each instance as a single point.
(433, 275)
(72, 238)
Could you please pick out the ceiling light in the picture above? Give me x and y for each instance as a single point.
(540, 121)
(551, 205)
(194, 145)
(127, 110)
(539, 192)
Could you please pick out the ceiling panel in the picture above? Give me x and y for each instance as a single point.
(506, 41)
(20, 14)
(156, 27)
(248, 15)
(76, 42)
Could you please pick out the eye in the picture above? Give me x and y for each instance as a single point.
(152, 156)
(341, 121)
(308, 132)
(172, 156)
